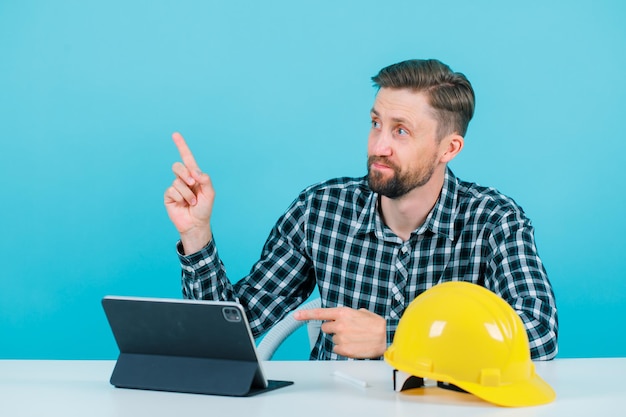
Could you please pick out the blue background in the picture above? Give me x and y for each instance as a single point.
(273, 96)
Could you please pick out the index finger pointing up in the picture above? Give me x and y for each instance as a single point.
(185, 152)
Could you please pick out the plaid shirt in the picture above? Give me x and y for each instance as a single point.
(332, 236)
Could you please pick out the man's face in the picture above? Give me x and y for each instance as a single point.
(403, 150)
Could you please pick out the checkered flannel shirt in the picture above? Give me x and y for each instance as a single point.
(332, 237)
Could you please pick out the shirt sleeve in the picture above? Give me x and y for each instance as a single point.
(517, 274)
(279, 282)
(204, 276)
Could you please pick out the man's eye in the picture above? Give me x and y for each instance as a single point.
(402, 131)
(375, 124)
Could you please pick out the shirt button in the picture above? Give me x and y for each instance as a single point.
(404, 249)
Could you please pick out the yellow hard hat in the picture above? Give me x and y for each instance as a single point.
(463, 334)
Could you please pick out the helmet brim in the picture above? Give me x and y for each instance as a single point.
(534, 391)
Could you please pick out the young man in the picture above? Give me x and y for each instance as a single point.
(372, 244)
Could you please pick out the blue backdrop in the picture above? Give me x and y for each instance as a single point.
(273, 96)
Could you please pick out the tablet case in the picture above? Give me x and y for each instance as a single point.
(192, 346)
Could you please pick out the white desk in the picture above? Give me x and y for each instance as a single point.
(584, 387)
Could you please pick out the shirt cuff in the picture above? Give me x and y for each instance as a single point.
(199, 262)
(392, 325)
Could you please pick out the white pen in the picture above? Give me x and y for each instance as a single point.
(351, 379)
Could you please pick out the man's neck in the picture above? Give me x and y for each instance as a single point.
(405, 214)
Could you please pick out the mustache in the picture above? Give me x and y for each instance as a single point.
(382, 160)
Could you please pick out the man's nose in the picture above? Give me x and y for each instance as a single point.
(382, 144)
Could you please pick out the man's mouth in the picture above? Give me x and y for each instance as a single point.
(380, 164)
(380, 167)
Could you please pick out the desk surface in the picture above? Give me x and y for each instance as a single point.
(584, 387)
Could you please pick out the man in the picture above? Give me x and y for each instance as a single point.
(372, 244)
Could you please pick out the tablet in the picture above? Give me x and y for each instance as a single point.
(193, 346)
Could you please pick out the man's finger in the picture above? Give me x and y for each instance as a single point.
(185, 152)
(318, 314)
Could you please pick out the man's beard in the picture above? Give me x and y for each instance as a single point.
(400, 183)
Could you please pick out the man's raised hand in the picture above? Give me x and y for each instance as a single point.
(189, 200)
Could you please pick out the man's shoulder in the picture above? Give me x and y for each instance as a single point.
(483, 200)
(353, 192)
(338, 185)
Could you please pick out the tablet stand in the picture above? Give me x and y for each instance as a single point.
(189, 375)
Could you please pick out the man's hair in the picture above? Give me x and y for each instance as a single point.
(449, 93)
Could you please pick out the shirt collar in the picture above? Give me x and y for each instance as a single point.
(369, 216)
(439, 221)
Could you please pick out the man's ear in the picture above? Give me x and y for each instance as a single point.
(450, 147)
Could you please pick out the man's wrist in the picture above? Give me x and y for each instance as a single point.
(193, 242)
